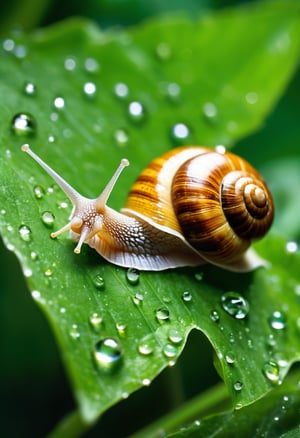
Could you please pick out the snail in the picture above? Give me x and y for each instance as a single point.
(190, 206)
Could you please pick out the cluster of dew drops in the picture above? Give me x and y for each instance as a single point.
(108, 350)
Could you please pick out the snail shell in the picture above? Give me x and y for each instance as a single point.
(190, 206)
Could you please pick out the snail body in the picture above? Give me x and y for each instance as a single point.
(190, 206)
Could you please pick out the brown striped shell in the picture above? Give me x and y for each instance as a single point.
(217, 201)
(190, 206)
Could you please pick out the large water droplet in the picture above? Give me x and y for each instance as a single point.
(99, 282)
(48, 219)
(277, 320)
(23, 124)
(30, 89)
(162, 314)
(235, 305)
(107, 354)
(136, 111)
(271, 371)
(132, 276)
(147, 345)
(25, 233)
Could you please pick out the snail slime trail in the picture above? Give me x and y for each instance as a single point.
(214, 204)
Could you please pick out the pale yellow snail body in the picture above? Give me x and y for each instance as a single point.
(189, 207)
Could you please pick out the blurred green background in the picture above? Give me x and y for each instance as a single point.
(35, 392)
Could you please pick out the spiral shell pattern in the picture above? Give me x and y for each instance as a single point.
(222, 205)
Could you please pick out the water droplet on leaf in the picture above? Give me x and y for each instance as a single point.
(98, 281)
(59, 103)
(175, 336)
(107, 354)
(74, 332)
(25, 233)
(277, 320)
(132, 276)
(235, 305)
(48, 218)
(39, 192)
(169, 350)
(238, 385)
(271, 371)
(136, 111)
(186, 296)
(121, 137)
(95, 321)
(89, 89)
(162, 314)
(180, 131)
(214, 316)
(121, 90)
(30, 89)
(23, 124)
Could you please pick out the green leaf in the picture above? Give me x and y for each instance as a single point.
(275, 415)
(218, 80)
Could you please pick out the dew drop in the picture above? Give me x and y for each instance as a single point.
(121, 328)
(180, 131)
(169, 350)
(238, 386)
(89, 89)
(62, 310)
(229, 359)
(48, 273)
(107, 354)
(163, 51)
(3, 211)
(33, 256)
(99, 282)
(8, 45)
(36, 295)
(74, 332)
(271, 371)
(121, 137)
(91, 65)
(235, 305)
(146, 382)
(199, 276)
(210, 111)
(291, 247)
(220, 149)
(30, 89)
(27, 272)
(48, 219)
(25, 233)
(251, 97)
(145, 349)
(23, 124)
(121, 90)
(186, 296)
(59, 103)
(51, 139)
(277, 320)
(175, 336)
(39, 192)
(172, 91)
(132, 276)
(96, 321)
(162, 314)
(214, 316)
(20, 51)
(70, 64)
(138, 298)
(136, 111)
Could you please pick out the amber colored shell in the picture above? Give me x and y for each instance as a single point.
(219, 202)
(222, 204)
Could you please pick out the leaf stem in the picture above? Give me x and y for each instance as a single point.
(213, 398)
(71, 426)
